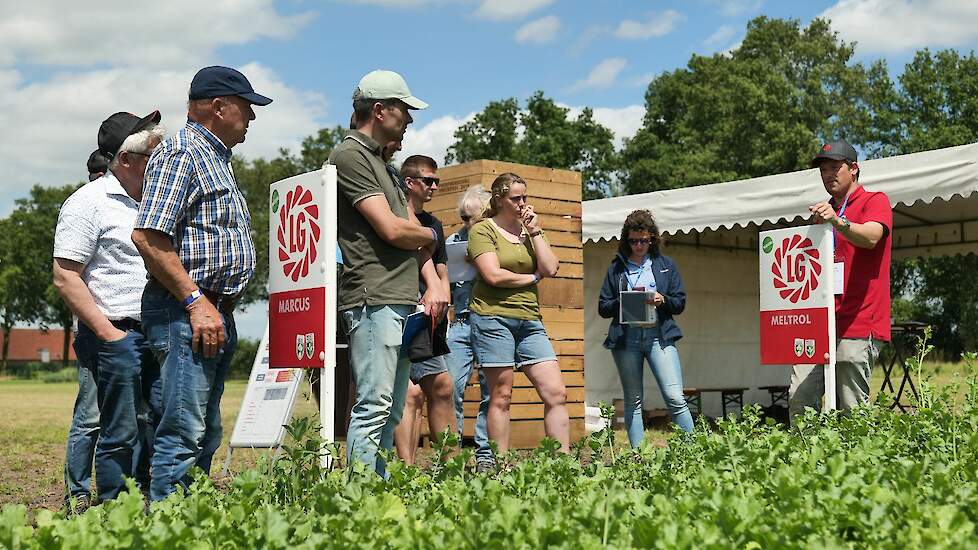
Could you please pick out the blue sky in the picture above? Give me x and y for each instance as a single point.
(65, 66)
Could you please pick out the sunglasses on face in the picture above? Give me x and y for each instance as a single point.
(517, 199)
(428, 181)
(465, 217)
(633, 242)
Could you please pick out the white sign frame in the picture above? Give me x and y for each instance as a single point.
(770, 300)
(326, 264)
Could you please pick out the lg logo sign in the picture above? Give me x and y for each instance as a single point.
(298, 232)
(795, 267)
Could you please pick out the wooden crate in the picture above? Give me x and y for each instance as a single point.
(556, 196)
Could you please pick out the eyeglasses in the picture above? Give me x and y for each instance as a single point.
(147, 155)
(517, 199)
(638, 241)
(465, 217)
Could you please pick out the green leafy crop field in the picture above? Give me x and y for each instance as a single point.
(872, 479)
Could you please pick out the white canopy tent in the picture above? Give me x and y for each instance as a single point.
(711, 232)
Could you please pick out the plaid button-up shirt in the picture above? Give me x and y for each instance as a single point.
(190, 194)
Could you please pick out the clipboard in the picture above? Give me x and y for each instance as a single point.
(634, 310)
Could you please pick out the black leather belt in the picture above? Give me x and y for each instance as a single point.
(127, 324)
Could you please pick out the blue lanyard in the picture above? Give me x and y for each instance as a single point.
(835, 232)
(638, 276)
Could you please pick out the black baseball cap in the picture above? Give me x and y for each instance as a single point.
(217, 81)
(835, 150)
(115, 129)
(97, 163)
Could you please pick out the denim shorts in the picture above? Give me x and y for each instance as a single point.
(507, 342)
(435, 365)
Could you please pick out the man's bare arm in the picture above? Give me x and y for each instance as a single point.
(165, 266)
(75, 293)
(394, 230)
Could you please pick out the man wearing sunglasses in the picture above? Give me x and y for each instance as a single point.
(419, 174)
(100, 275)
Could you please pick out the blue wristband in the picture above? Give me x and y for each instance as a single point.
(192, 298)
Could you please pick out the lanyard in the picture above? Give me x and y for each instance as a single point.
(638, 276)
(835, 232)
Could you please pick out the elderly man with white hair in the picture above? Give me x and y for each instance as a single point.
(100, 275)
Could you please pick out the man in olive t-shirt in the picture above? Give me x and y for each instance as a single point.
(379, 238)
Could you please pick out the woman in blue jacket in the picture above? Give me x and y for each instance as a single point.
(639, 265)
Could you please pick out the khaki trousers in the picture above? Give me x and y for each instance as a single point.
(854, 360)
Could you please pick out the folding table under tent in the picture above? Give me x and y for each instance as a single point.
(711, 233)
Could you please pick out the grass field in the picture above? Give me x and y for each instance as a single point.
(34, 420)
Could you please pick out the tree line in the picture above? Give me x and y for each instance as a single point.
(757, 110)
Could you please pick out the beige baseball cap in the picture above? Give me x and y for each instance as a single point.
(388, 85)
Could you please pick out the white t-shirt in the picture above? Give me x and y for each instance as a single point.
(95, 229)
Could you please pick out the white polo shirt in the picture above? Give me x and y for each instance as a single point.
(95, 230)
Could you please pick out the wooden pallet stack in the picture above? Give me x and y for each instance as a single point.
(556, 196)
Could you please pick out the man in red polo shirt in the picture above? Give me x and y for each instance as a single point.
(863, 223)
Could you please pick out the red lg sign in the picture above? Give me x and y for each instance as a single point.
(796, 268)
(298, 233)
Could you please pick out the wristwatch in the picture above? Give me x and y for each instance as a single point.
(845, 223)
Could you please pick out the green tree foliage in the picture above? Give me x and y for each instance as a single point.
(26, 287)
(254, 177)
(761, 109)
(549, 138)
(938, 107)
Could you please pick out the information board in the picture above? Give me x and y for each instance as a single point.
(797, 302)
(302, 269)
(267, 404)
(299, 260)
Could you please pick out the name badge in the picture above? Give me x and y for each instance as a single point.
(838, 276)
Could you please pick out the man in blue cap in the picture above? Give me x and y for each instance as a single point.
(194, 233)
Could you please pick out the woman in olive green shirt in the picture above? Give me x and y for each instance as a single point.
(511, 255)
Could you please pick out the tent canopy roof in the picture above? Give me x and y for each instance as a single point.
(925, 189)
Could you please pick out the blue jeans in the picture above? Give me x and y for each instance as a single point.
(83, 434)
(461, 360)
(189, 430)
(641, 345)
(122, 371)
(381, 377)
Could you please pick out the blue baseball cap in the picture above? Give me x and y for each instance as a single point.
(217, 81)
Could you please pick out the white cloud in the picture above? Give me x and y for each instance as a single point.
(890, 26)
(589, 35)
(622, 121)
(731, 8)
(642, 80)
(57, 120)
(432, 139)
(502, 10)
(603, 75)
(539, 31)
(658, 24)
(398, 3)
(175, 33)
(720, 36)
